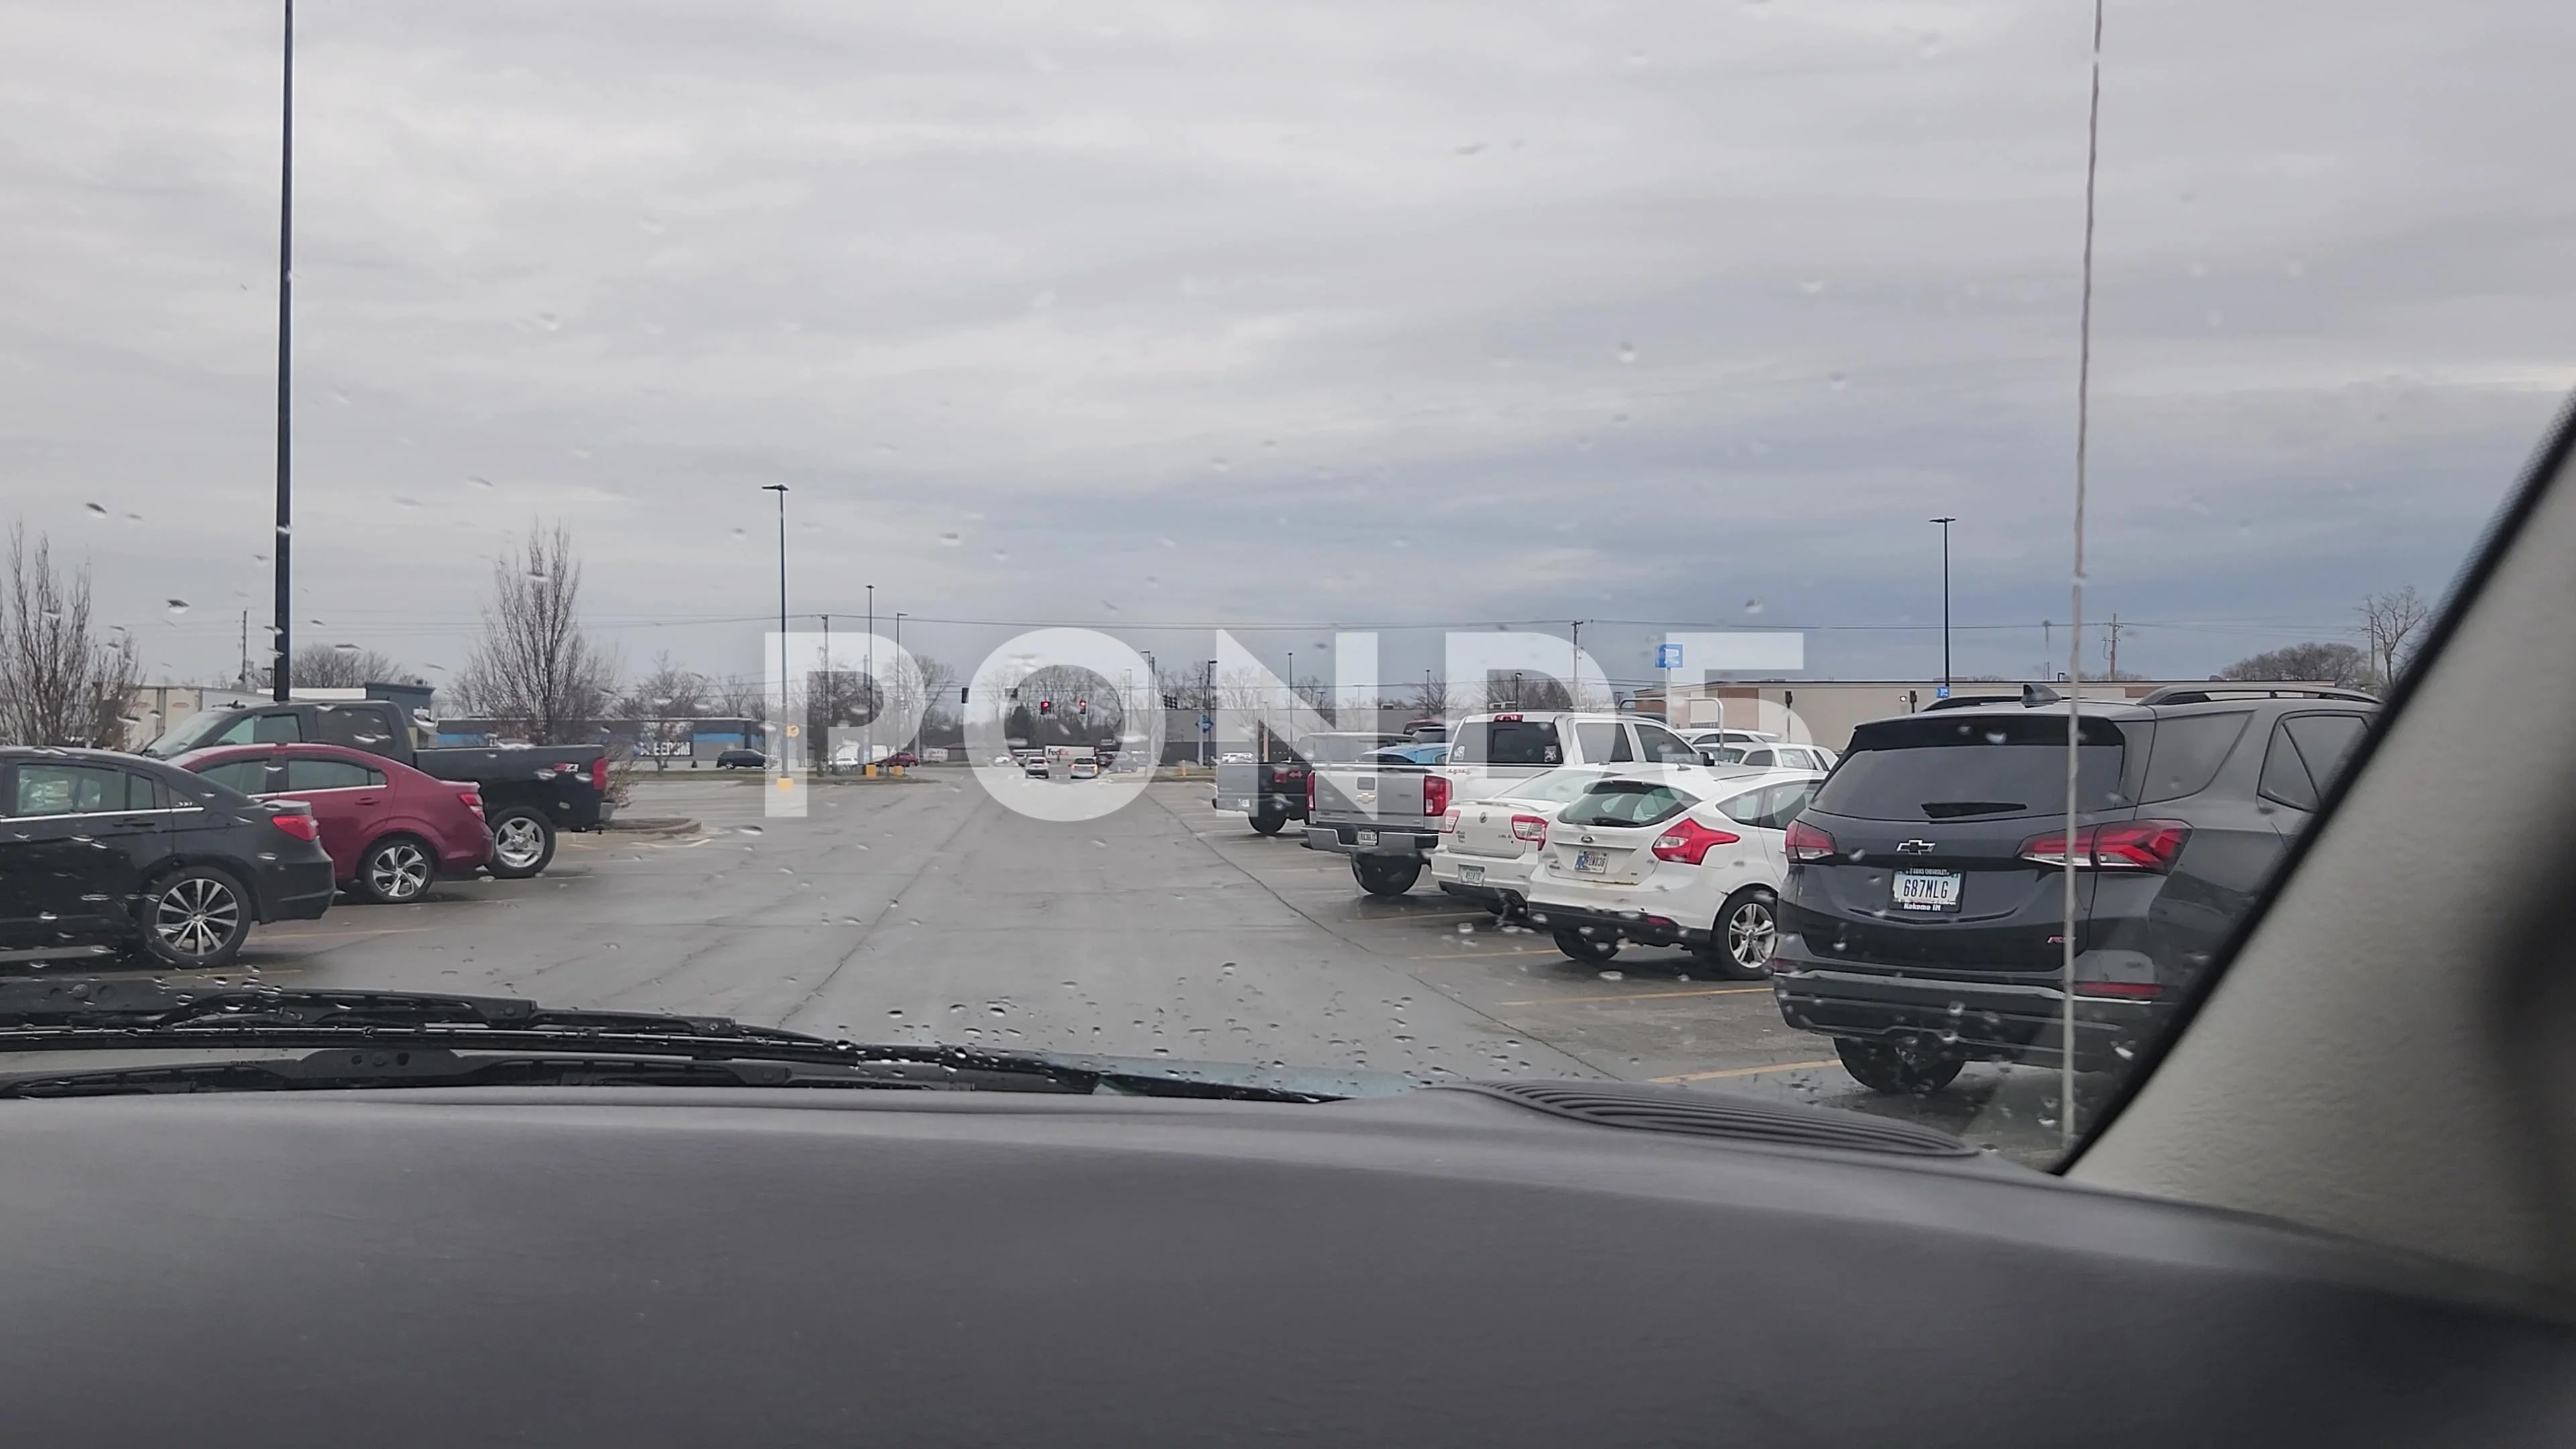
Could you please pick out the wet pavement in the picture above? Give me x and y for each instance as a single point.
(923, 910)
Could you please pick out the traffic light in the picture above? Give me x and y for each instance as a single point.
(1171, 701)
(1082, 706)
(1046, 706)
(961, 694)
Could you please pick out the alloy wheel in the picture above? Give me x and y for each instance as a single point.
(196, 915)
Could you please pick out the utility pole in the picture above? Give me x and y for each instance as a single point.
(781, 490)
(905, 676)
(1945, 521)
(831, 694)
(242, 680)
(1207, 702)
(2115, 646)
(279, 681)
(871, 674)
(1574, 670)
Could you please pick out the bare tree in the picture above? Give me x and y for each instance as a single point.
(2392, 625)
(344, 666)
(59, 685)
(2322, 663)
(534, 666)
(666, 691)
(1431, 698)
(737, 696)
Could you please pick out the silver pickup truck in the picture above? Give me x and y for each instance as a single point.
(1387, 818)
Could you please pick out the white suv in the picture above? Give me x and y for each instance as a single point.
(1671, 859)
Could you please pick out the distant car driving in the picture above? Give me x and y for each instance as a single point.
(741, 759)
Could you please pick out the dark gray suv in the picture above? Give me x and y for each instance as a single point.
(1921, 924)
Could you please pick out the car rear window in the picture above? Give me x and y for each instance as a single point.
(1628, 802)
(1507, 742)
(1555, 787)
(1945, 767)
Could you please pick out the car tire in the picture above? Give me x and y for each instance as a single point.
(1591, 949)
(523, 841)
(194, 918)
(1897, 1069)
(1381, 876)
(1744, 935)
(397, 870)
(1269, 822)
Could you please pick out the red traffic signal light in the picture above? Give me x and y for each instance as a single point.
(1046, 706)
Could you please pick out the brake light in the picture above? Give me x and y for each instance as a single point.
(2129, 845)
(297, 824)
(1530, 827)
(1509, 717)
(473, 801)
(1449, 823)
(599, 774)
(1689, 841)
(1805, 843)
(1310, 792)
(1435, 794)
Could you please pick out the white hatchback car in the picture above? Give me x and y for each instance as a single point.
(1671, 861)
(1488, 846)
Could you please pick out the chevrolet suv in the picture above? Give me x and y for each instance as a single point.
(1921, 924)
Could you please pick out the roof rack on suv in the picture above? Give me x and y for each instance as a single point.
(1970, 701)
(2204, 693)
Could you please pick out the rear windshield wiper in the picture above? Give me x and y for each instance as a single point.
(1953, 809)
(422, 1028)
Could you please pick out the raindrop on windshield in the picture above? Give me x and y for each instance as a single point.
(178, 607)
(97, 511)
(1627, 352)
(951, 539)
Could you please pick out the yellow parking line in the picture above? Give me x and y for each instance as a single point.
(1747, 1071)
(1633, 995)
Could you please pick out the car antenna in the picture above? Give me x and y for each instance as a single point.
(2035, 695)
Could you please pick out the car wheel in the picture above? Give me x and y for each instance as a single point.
(195, 917)
(396, 870)
(1269, 822)
(1574, 942)
(1898, 1068)
(1384, 877)
(1747, 931)
(523, 840)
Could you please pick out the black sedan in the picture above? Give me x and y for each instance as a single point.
(106, 852)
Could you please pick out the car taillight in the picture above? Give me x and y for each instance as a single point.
(1688, 841)
(599, 774)
(301, 826)
(1310, 792)
(1449, 823)
(1530, 827)
(473, 801)
(2130, 845)
(1435, 794)
(1805, 843)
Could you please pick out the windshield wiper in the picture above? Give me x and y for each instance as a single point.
(155, 1015)
(1953, 809)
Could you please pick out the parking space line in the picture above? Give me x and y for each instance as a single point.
(1637, 996)
(1746, 1071)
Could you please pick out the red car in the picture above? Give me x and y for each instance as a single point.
(389, 828)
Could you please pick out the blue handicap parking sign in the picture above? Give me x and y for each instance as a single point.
(1668, 656)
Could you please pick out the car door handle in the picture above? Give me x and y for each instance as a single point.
(370, 800)
(138, 822)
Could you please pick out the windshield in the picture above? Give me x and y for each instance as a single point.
(197, 729)
(755, 455)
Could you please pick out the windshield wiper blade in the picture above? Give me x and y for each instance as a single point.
(150, 1014)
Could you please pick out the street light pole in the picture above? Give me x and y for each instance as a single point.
(905, 676)
(871, 675)
(278, 673)
(781, 490)
(1945, 521)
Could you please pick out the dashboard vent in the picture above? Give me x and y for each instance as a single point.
(1657, 1109)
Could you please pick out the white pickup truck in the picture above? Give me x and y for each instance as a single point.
(1386, 818)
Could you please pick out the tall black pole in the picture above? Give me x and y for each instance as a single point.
(781, 490)
(1945, 521)
(277, 674)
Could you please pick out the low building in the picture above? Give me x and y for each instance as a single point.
(1825, 711)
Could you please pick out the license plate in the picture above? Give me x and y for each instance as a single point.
(1367, 837)
(1592, 862)
(1471, 875)
(1927, 890)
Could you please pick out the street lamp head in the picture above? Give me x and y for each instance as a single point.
(773, 487)
(1945, 520)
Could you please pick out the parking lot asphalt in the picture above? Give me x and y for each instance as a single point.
(923, 910)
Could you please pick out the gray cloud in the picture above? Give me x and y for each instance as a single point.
(1264, 314)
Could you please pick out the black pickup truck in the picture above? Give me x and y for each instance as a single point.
(1273, 791)
(529, 791)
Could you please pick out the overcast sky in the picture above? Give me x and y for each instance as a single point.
(1369, 313)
